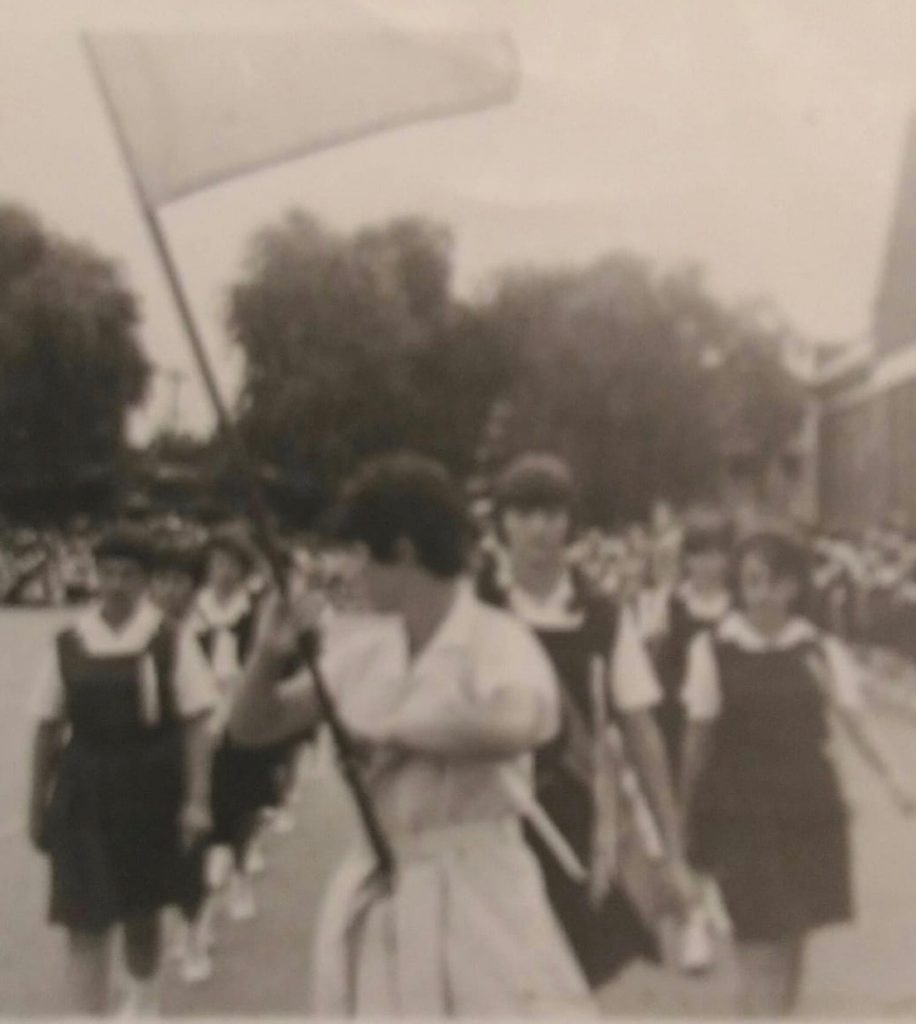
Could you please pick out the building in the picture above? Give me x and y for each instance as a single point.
(865, 396)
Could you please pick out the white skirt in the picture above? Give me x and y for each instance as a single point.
(466, 930)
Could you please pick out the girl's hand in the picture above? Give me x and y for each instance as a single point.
(285, 619)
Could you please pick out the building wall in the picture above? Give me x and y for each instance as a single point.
(867, 457)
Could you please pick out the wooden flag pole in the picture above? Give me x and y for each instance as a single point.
(266, 536)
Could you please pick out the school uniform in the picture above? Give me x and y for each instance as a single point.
(770, 821)
(112, 827)
(688, 613)
(575, 626)
(466, 928)
(244, 781)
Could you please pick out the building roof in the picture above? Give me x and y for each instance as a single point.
(894, 324)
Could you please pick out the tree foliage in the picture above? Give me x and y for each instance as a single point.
(642, 380)
(356, 344)
(71, 366)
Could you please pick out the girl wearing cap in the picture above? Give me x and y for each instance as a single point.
(604, 670)
(120, 786)
(762, 796)
(447, 697)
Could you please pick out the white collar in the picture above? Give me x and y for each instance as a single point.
(554, 611)
(217, 615)
(708, 607)
(735, 628)
(135, 635)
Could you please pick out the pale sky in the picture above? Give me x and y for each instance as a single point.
(759, 138)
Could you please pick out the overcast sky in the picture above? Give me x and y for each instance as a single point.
(761, 139)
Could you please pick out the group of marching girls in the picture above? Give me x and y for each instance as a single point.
(562, 778)
(139, 797)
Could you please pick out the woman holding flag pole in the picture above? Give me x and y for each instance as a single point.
(448, 697)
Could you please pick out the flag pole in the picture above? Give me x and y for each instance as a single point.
(264, 531)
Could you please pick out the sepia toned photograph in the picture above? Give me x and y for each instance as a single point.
(458, 509)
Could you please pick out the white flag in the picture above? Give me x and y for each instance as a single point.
(195, 108)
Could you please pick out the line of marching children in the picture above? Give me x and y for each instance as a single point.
(553, 777)
(139, 796)
(745, 691)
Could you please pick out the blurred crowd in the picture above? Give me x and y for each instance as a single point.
(862, 588)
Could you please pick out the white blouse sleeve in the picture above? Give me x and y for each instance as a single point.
(702, 692)
(845, 675)
(196, 690)
(634, 686)
(511, 666)
(47, 702)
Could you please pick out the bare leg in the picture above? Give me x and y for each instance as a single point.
(769, 976)
(89, 971)
(143, 952)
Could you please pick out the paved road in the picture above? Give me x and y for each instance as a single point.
(262, 966)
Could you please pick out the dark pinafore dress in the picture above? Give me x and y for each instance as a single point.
(607, 938)
(671, 668)
(246, 780)
(770, 822)
(112, 827)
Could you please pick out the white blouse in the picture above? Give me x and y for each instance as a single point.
(478, 656)
(702, 692)
(222, 617)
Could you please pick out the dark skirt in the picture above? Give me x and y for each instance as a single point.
(245, 782)
(779, 878)
(113, 834)
(605, 939)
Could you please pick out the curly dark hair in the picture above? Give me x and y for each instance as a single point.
(405, 496)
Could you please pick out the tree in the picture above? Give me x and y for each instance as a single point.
(639, 379)
(71, 366)
(355, 345)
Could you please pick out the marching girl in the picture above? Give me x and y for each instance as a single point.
(580, 629)
(762, 796)
(446, 698)
(177, 579)
(243, 784)
(120, 784)
(701, 600)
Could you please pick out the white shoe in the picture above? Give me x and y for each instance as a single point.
(218, 867)
(255, 862)
(242, 906)
(697, 954)
(141, 999)
(196, 967)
